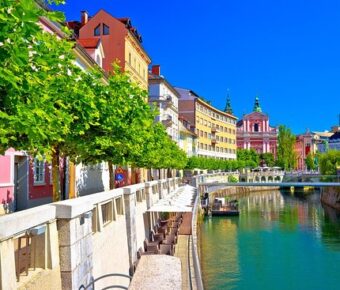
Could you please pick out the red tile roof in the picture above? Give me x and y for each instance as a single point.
(89, 42)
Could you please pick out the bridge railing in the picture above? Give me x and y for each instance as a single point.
(311, 178)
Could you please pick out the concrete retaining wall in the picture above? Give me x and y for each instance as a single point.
(242, 189)
(80, 239)
(331, 196)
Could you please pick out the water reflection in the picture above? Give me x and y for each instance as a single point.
(277, 235)
(331, 228)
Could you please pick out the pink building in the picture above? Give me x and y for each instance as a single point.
(254, 132)
(7, 181)
(304, 144)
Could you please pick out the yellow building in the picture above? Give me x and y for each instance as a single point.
(215, 129)
(136, 61)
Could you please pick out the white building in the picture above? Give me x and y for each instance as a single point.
(165, 98)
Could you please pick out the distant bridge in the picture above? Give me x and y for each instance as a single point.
(276, 184)
(297, 180)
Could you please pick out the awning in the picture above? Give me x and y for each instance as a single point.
(181, 200)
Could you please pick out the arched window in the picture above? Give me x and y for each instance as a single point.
(256, 127)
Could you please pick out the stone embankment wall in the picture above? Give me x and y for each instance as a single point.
(69, 243)
(331, 196)
(230, 190)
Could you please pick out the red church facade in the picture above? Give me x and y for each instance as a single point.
(254, 132)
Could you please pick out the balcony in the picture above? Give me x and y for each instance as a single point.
(167, 122)
(168, 103)
(166, 100)
(214, 129)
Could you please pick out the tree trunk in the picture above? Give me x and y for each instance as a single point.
(56, 175)
(112, 175)
(72, 185)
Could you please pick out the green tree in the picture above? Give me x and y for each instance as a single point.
(249, 157)
(268, 159)
(44, 97)
(286, 157)
(232, 178)
(310, 162)
(329, 162)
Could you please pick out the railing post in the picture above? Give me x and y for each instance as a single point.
(7, 265)
(131, 229)
(148, 195)
(168, 183)
(75, 237)
(160, 189)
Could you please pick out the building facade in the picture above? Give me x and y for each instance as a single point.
(163, 95)
(121, 42)
(254, 132)
(187, 138)
(332, 143)
(215, 129)
(304, 145)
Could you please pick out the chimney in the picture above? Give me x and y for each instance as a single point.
(84, 17)
(156, 69)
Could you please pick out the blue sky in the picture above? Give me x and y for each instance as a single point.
(286, 52)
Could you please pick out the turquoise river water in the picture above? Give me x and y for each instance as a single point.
(279, 241)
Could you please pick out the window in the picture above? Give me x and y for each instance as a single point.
(106, 212)
(256, 127)
(129, 57)
(97, 30)
(39, 171)
(106, 29)
(98, 60)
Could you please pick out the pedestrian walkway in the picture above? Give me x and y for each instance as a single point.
(183, 251)
(185, 228)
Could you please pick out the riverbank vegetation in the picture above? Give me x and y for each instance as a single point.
(286, 156)
(246, 158)
(329, 162)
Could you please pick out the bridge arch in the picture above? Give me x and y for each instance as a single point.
(263, 179)
(257, 179)
(277, 178)
(270, 178)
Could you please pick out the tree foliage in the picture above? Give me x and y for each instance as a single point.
(195, 162)
(267, 159)
(310, 161)
(249, 157)
(329, 162)
(286, 157)
(49, 107)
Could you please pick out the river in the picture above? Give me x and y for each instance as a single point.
(279, 241)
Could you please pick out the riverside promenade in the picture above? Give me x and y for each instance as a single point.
(67, 244)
